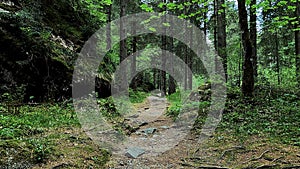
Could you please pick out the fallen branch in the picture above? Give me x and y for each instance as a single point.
(257, 158)
(232, 149)
(186, 164)
(212, 167)
(291, 167)
(267, 166)
(262, 154)
(276, 159)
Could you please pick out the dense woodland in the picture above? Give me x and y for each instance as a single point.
(258, 43)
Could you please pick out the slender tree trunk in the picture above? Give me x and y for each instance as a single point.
(172, 86)
(108, 29)
(205, 18)
(134, 50)
(277, 57)
(240, 63)
(154, 78)
(163, 58)
(221, 34)
(123, 47)
(108, 34)
(248, 78)
(215, 23)
(190, 34)
(190, 64)
(297, 42)
(185, 54)
(253, 34)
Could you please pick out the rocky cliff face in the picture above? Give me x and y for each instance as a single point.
(39, 40)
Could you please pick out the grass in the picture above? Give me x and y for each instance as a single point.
(49, 135)
(40, 134)
(261, 131)
(137, 96)
(276, 117)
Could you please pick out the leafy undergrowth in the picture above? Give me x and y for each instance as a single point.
(262, 131)
(275, 116)
(46, 136)
(258, 132)
(137, 96)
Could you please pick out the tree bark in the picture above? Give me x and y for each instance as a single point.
(108, 29)
(215, 23)
(277, 57)
(253, 34)
(163, 57)
(205, 18)
(221, 34)
(297, 42)
(248, 78)
(123, 47)
(190, 64)
(134, 50)
(172, 85)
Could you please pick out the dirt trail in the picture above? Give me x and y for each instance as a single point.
(157, 136)
(223, 150)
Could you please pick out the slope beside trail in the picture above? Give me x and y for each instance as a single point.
(164, 148)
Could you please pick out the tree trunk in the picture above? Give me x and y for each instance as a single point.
(215, 23)
(297, 43)
(108, 29)
(205, 18)
(253, 34)
(190, 64)
(134, 50)
(123, 48)
(172, 86)
(248, 79)
(163, 57)
(185, 50)
(277, 57)
(221, 34)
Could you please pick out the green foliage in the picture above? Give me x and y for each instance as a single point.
(175, 104)
(147, 8)
(108, 108)
(35, 119)
(14, 94)
(271, 114)
(136, 96)
(96, 9)
(41, 149)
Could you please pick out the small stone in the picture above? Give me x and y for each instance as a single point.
(164, 127)
(134, 152)
(149, 130)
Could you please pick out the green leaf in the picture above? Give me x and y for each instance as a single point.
(161, 5)
(171, 6)
(146, 8)
(152, 29)
(282, 3)
(167, 24)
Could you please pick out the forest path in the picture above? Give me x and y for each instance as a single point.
(223, 150)
(155, 143)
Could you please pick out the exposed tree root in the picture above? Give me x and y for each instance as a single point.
(257, 158)
(232, 149)
(212, 167)
(267, 166)
(292, 167)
